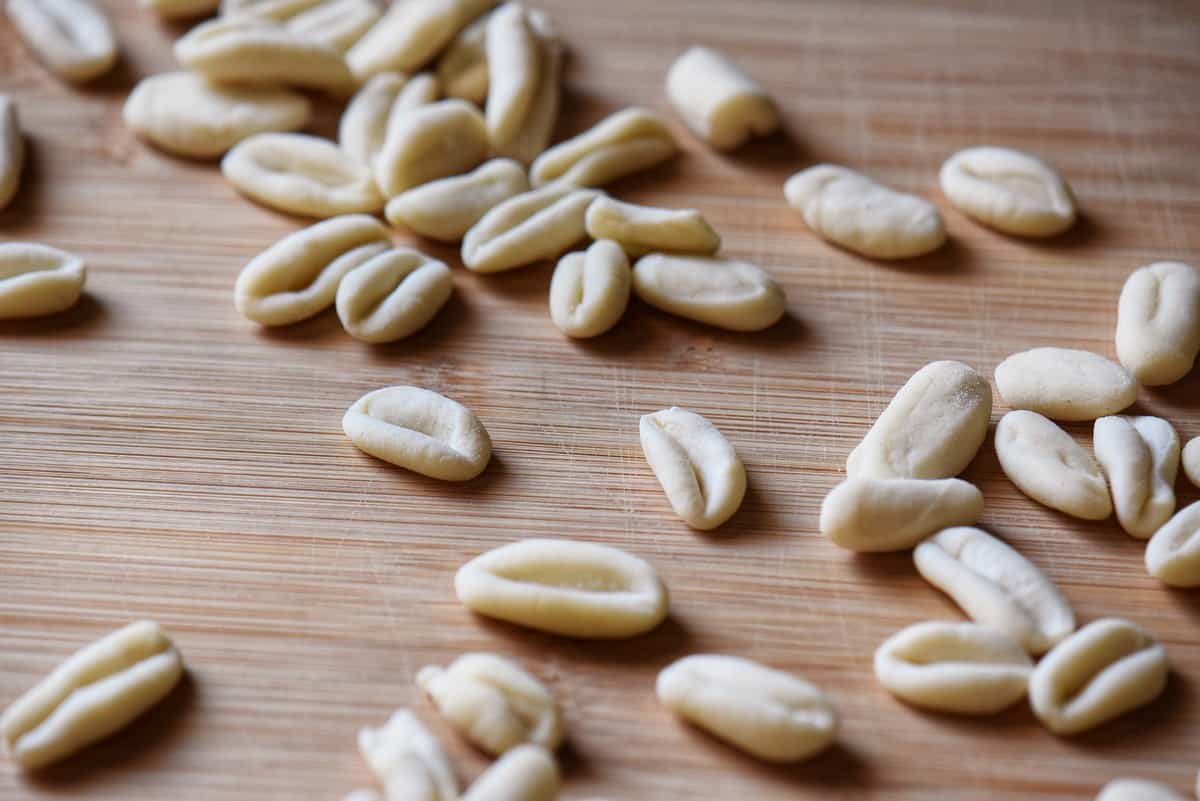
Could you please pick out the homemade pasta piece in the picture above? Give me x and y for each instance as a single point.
(535, 225)
(94, 693)
(36, 280)
(494, 702)
(246, 49)
(1173, 553)
(1158, 322)
(1065, 384)
(626, 142)
(337, 24)
(576, 589)
(1100, 672)
(181, 9)
(770, 714)
(720, 103)
(996, 586)
(421, 431)
(892, 514)
(932, 428)
(645, 229)
(1008, 190)
(430, 142)
(1137, 790)
(1191, 461)
(729, 294)
(12, 150)
(392, 295)
(514, 65)
(1050, 467)
(381, 103)
(963, 668)
(71, 37)
(408, 760)
(851, 210)
(1140, 458)
(462, 67)
(410, 34)
(187, 115)
(538, 127)
(298, 276)
(447, 208)
(525, 773)
(698, 469)
(589, 291)
(301, 174)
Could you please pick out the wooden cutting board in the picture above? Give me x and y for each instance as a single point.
(165, 458)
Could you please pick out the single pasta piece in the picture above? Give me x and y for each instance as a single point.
(408, 760)
(36, 280)
(494, 702)
(301, 174)
(1050, 467)
(419, 430)
(392, 295)
(1158, 322)
(1065, 384)
(337, 24)
(430, 142)
(996, 586)
(699, 470)
(535, 225)
(1138, 790)
(71, 37)
(626, 142)
(720, 103)
(1008, 190)
(514, 72)
(859, 214)
(94, 693)
(382, 102)
(247, 49)
(1100, 672)
(411, 34)
(590, 290)
(932, 428)
(447, 208)
(963, 668)
(12, 150)
(187, 115)
(734, 295)
(1140, 458)
(537, 129)
(526, 773)
(576, 589)
(462, 67)
(770, 714)
(892, 514)
(645, 229)
(1173, 553)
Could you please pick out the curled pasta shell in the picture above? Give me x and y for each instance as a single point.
(628, 141)
(392, 295)
(38, 279)
(699, 470)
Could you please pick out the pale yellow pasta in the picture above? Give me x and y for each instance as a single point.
(430, 142)
(187, 115)
(892, 514)
(535, 132)
(1173, 553)
(1046, 464)
(419, 430)
(1009, 190)
(534, 225)
(381, 103)
(72, 37)
(644, 229)
(1158, 322)
(411, 34)
(698, 468)
(526, 773)
(717, 99)
(462, 67)
(514, 64)
(628, 141)
(301, 174)
(36, 280)
(247, 49)
(392, 295)
(408, 760)
(1065, 384)
(94, 693)
(590, 290)
(735, 295)
(298, 276)
(577, 589)
(447, 208)
(1140, 459)
(337, 24)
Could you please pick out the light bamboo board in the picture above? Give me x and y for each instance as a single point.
(164, 458)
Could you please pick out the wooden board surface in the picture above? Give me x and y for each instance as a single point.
(165, 458)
